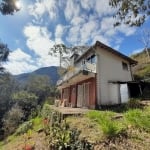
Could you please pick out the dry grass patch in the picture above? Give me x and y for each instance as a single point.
(89, 129)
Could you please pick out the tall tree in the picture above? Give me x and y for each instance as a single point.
(145, 40)
(61, 51)
(64, 53)
(8, 7)
(4, 52)
(131, 12)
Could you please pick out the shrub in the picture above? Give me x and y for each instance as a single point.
(134, 103)
(46, 111)
(37, 123)
(24, 128)
(50, 100)
(12, 119)
(27, 101)
(62, 137)
(139, 119)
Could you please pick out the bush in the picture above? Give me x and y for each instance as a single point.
(50, 100)
(37, 123)
(62, 137)
(12, 119)
(139, 119)
(24, 128)
(27, 101)
(46, 111)
(134, 103)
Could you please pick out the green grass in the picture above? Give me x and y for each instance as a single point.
(109, 127)
(37, 123)
(139, 118)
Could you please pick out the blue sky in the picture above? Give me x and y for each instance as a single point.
(32, 31)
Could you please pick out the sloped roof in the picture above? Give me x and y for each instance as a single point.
(109, 49)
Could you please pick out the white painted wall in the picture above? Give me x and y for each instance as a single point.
(109, 68)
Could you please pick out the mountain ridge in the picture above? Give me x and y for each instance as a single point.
(50, 71)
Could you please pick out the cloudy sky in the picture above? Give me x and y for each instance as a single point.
(32, 31)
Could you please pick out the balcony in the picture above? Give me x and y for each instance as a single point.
(85, 69)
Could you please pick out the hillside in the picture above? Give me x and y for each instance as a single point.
(117, 129)
(142, 69)
(51, 72)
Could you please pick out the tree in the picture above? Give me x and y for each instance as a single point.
(8, 7)
(4, 52)
(12, 119)
(27, 101)
(131, 12)
(145, 40)
(60, 50)
(7, 87)
(39, 85)
(64, 53)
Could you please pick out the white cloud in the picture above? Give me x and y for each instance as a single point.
(19, 55)
(137, 51)
(78, 20)
(59, 31)
(20, 62)
(88, 31)
(42, 7)
(126, 30)
(102, 7)
(72, 9)
(87, 4)
(38, 40)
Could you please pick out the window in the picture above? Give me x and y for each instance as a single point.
(124, 66)
(92, 59)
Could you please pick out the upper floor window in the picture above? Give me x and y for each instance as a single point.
(124, 66)
(92, 59)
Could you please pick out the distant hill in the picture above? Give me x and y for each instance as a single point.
(142, 69)
(51, 72)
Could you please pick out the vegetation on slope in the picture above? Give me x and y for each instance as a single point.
(142, 69)
(105, 129)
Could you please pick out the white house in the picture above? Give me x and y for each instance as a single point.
(98, 77)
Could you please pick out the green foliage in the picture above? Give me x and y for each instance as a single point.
(12, 119)
(24, 128)
(139, 119)
(27, 101)
(129, 9)
(40, 86)
(25, 98)
(46, 111)
(50, 100)
(37, 123)
(60, 136)
(109, 127)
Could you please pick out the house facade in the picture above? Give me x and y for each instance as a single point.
(98, 77)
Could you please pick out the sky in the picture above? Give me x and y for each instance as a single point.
(31, 32)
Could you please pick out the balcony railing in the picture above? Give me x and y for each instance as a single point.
(87, 66)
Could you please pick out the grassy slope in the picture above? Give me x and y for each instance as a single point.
(97, 127)
(142, 69)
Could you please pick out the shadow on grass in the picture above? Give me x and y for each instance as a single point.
(120, 108)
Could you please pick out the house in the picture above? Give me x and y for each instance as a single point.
(98, 77)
